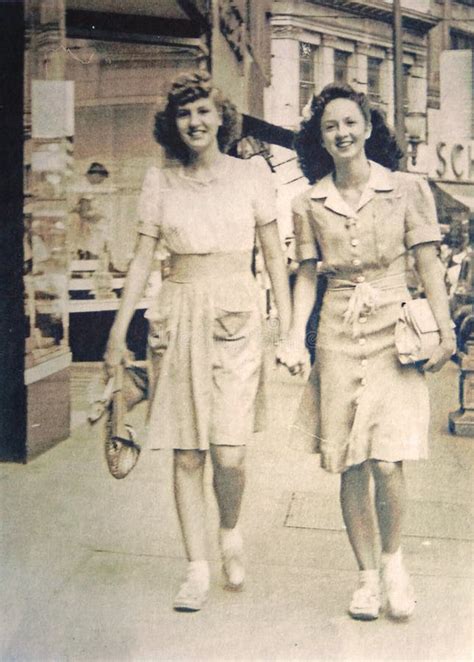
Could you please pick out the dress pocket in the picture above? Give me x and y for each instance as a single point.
(230, 325)
(235, 301)
(159, 316)
(158, 336)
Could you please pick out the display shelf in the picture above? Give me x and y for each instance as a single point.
(60, 360)
(78, 284)
(100, 305)
(93, 305)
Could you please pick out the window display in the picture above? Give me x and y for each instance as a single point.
(45, 286)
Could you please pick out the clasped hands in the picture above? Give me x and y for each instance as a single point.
(292, 353)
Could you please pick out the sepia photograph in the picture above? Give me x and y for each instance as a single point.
(237, 331)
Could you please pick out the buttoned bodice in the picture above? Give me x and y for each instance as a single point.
(396, 212)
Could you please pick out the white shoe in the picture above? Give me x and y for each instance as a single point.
(365, 604)
(193, 592)
(399, 594)
(232, 552)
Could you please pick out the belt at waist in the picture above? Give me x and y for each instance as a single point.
(381, 283)
(365, 296)
(187, 268)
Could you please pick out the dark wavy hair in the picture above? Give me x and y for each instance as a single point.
(185, 89)
(314, 160)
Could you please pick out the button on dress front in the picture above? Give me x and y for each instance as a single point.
(360, 403)
(205, 340)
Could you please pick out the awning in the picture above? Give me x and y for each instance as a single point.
(459, 193)
(269, 133)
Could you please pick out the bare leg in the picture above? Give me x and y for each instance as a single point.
(390, 498)
(190, 503)
(359, 517)
(229, 482)
(358, 514)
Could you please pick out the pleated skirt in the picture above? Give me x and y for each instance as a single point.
(205, 350)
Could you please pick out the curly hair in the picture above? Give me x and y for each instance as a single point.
(314, 160)
(185, 89)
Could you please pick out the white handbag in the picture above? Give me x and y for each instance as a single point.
(416, 332)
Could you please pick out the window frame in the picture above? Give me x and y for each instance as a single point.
(374, 66)
(306, 84)
(342, 56)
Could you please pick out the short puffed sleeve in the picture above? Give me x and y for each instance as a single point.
(264, 195)
(306, 244)
(421, 223)
(148, 208)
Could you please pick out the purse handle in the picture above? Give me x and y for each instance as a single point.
(118, 404)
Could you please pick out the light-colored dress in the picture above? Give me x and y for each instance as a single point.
(360, 402)
(205, 337)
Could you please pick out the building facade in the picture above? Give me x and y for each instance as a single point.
(315, 42)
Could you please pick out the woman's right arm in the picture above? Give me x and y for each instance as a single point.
(304, 298)
(135, 282)
(293, 352)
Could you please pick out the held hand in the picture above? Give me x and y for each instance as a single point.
(441, 355)
(293, 355)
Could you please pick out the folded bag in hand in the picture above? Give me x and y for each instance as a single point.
(126, 388)
(416, 332)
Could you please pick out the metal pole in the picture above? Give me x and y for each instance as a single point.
(398, 77)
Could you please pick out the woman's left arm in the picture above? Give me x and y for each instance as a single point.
(431, 275)
(276, 267)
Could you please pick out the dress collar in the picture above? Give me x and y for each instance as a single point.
(380, 179)
(218, 171)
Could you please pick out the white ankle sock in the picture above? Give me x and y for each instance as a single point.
(370, 577)
(230, 538)
(199, 570)
(394, 560)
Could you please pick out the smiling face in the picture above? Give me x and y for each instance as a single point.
(198, 123)
(344, 129)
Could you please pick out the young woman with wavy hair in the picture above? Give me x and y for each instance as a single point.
(205, 336)
(364, 411)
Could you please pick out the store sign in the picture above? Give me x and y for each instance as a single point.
(52, 108)
(454, 161)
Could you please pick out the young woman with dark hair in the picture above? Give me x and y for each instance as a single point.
(205, 337)
(363, 411)
(316, 162)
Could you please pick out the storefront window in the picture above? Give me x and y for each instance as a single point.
(48, 153)
(116, 99)
(46, 286)
(118, 88)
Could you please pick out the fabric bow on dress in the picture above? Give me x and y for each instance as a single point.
(365, 299)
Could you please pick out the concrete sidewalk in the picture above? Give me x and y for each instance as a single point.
(90, 565)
